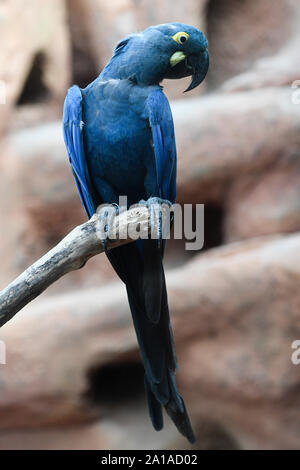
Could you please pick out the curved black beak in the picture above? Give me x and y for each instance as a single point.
(199, 65)
(195, 65)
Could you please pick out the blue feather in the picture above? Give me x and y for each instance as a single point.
(161, 122)
(73, 135)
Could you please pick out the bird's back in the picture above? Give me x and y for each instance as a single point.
(117, 135)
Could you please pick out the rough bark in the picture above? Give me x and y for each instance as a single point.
(70, 254)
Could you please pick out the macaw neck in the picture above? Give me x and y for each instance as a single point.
(122, 68)
(113, 70)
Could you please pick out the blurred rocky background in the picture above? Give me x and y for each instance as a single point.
(73, 377)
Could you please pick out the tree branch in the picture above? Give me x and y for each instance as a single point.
(70, 254)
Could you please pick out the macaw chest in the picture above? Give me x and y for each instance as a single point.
(119, 152)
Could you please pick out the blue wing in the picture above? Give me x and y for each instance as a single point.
(161, 122)
(73, 135)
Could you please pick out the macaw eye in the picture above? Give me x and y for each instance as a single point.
(180, 37)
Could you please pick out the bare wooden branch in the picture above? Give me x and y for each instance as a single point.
(70, 254)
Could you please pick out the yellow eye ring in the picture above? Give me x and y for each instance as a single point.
(181, 37)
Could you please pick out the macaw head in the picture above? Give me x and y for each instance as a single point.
(173, 50)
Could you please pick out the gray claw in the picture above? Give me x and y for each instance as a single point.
(156, 221)
(106, 218)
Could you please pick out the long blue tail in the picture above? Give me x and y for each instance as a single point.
(146, 288)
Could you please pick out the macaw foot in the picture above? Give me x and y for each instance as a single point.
(155, 207)
(106, 215)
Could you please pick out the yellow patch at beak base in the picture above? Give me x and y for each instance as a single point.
(176, 58)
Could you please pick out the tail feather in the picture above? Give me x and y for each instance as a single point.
(155, 408)
(147, 295)
(182, 421)
(152, 280)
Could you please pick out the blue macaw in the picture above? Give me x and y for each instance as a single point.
(120, 140)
